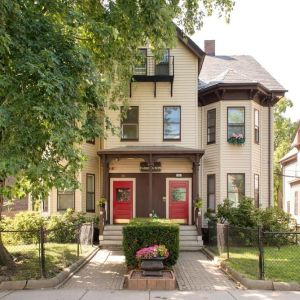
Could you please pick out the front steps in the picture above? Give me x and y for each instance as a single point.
(188, 238)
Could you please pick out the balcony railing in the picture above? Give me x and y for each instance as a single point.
(155, 70)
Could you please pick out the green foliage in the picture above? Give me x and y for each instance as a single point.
(65, 63)
(141, 233)
(284, 130)
(246, 215)
(198, 203)
(61, 228)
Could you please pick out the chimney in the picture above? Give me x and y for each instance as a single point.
(209, 47)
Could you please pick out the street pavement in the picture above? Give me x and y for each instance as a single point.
(81, 294)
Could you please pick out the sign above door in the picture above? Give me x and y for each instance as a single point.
(144, 166)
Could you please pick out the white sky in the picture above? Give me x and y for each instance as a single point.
(269, 30)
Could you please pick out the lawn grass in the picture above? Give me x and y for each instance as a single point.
(281, 264)
(57, 257)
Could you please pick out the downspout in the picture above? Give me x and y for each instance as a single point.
(269, 152)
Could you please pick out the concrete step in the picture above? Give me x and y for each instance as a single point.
(188, 238)
(190, 243)
(110, 242)
(113, 227)
(113, 237)
(188, 232)
(187, 227)
(116, 233)
(190, 248)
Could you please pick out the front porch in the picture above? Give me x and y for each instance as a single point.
(146, 180)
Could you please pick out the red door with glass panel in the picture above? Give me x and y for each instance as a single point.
(122, 201)
(179, 201)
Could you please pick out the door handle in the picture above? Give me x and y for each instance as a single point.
(164, 198)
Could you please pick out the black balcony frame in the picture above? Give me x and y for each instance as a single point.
(151, 73)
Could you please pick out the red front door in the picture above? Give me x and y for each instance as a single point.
(122, 201)
(179, 201)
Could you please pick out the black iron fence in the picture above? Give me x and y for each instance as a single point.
(256, 253)
(43, 253)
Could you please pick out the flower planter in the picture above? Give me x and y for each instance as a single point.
(152, 266)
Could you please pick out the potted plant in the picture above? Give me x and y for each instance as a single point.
(237, 139)
(151, 259)
(198, 204)
(101, 203)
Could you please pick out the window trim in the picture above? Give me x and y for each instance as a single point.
(244, 178)
(244, 124)
(171, 140)
(138, 126)
(207, 202)
(58, 191)
(86, 191)
(91, 141)
(257, 127)
(215, 126)
(258, 202)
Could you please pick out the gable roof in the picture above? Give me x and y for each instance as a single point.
(236, 69)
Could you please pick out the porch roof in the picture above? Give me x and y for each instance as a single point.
(164, 150)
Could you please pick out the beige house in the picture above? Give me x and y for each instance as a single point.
(291, 178)
(197, 126)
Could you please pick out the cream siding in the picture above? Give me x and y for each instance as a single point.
(151, 108)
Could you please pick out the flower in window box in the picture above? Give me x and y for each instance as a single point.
(236, 139)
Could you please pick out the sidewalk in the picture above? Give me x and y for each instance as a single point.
(105, 271)
(80, 294)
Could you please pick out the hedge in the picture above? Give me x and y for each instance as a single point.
(140, 233)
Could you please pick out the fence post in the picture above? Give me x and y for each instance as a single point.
(42, 247)
(78, 239)
(261, 261)
(227, 240)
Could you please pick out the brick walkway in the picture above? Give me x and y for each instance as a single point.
(195, 272)
(105, 271)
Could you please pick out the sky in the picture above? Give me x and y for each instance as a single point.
(269, 30)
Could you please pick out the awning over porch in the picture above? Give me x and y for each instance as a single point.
(151, 154)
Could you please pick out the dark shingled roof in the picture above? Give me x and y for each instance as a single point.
(235, 69)
(150, 149)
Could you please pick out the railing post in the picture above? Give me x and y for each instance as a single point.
(227, 240)
(261, 262)
(42, 247)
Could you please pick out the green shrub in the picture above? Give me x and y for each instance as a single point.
(30, 222)
(140, 233)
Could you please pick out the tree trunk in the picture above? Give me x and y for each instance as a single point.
(5, 258)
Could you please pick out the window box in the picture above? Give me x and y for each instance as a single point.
(236, 139)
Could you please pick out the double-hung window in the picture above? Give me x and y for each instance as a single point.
(211, 192)
(256, 126)
(235, 187)
(172, 123)
(235, 122)
(90, 192)
(130, 123)
(65, 200)
(141, 67)
(211, 126)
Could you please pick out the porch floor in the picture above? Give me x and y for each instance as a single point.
(193, 271)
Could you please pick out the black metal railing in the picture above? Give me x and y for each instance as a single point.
(257, 253)
(153, 67)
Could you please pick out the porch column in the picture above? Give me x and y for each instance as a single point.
(150, 164)
(105, 183)
(195, 192)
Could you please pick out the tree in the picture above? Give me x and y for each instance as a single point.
(64, 63)
(284, 130)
